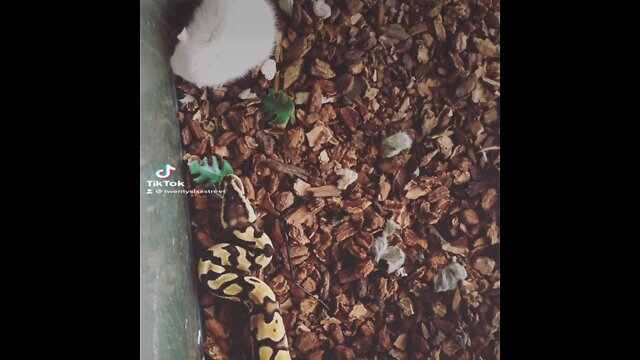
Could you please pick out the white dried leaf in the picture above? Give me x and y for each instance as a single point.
(247, 94)
(380, 245)
(321, 9)
(348, 176)
(268, 69)
(324, 158)
(401, 272)
(395, 143)
(187, 99)
(389, 228)
(392, 255)
(449, 277)
(302, 97)
(329, 100)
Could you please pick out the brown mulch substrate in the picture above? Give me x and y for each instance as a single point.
(374, 68)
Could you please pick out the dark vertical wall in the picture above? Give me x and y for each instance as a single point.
(169, 317)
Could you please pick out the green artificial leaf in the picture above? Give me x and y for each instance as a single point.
(211, 175)
(278, 107)
(286, 6)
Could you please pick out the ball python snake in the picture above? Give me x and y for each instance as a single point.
(223, 266)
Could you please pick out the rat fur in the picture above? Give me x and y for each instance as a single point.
(224, 41)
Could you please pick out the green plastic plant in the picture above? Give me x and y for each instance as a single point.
(211, 175)
(278, 107)
(286, 6)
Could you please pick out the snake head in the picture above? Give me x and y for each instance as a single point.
(236, 208)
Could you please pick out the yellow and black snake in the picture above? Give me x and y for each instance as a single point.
(222, 267)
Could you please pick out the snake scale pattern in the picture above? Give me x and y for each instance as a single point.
(223, 267)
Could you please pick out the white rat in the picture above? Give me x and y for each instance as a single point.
(225, 39)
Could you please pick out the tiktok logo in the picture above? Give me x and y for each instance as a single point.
(165, 172)
(164, 186)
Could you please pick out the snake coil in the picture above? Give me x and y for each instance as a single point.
(222, 267)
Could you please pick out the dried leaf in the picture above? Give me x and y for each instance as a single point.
(359, 312)
(470, 217)
(465, 85)
(401, 341)
(299, 48)
(445, 145)
(395, 143)
(440, 31)
(347, 176)
(325, 191)
(321, 9)
(301, 187)
(489, 199)
(292, 73)
(486, 47)
(319, 135)
(322, 69)
(449, 277)
(406, 306)
(268, 69)
(423, 54)
(484, 265)
(350, 117)
(307, 306)
(354, 6)
(414, 190)
(316, 99)
(307, 341)
(284, 201)
(246, 94)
